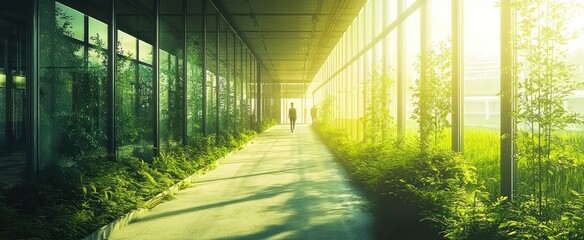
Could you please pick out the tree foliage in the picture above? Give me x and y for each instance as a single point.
(431, 96)
(378, 120)
(544, 82)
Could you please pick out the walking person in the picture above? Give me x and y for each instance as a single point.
(292, 117)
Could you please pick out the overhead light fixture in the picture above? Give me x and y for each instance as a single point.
(19, 81)
(2, 78)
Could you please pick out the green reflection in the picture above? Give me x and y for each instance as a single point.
(98, 33)
(127, 44)
(70, 21)
(145, 52)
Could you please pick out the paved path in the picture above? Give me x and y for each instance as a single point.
(283, 186)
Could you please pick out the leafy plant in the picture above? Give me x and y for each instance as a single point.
(325, 113)
(77, 195)
(378, 120)
(545, 80)
(431, 96)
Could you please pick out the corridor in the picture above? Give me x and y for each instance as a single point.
(283, 185)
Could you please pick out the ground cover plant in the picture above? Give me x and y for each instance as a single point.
(449, 193)
(78, 195)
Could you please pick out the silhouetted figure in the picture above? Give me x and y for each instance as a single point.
(292, 117)
(252, 119)
(313, 114)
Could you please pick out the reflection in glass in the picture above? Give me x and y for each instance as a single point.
(98, 33)
(134, 103)
(71, 87)
(211, 71)
(171, 84)
(194, 70)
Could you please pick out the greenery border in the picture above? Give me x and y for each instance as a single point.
(105, 231)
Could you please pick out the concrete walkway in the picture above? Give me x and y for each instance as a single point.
(283, 186)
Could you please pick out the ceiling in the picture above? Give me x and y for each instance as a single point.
(292, 38)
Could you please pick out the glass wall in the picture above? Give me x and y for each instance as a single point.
(72, 82)
(171, 77)
(366, 44)
(173, 82)
(14, 72)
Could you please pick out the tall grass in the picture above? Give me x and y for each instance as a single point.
(482, 147)
(481, 150)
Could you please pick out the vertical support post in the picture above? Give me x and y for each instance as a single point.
(185, 76)
(364, 64)
(424, 48)
(241, 86)
(85, 55)
(401, 86)
(32, 121)
(111, 76)
(228, 79)
(507, 95)
(384, 71)
(258, 93)
(204, 78)
(235, 101)
(217, 74)
(457, 78)
(155, 78)
(249, 87)
(8, 100)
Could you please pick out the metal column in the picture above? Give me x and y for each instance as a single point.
(457, 78)
(111, 79)
(217, 74)
(424, 49)
(258, 94)
(507, 95)
(204, 78)
(185, 76)
(155, 78)
(401, 86)
(32, 121)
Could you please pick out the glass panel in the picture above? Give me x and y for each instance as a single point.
(134, 93)
(392, 46)
(441, 44)
(576, 57)
(481, 86)
(72, 81)
(234, 117)
(127, 45)
(171, 73)
(145, 52)
(378, 17)
(223, 77)
(211, 70)
(440, 21)
(412, 53)
(69, 21)
(408, 3)
(194, 69)
(391, 10)
(98, 33)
